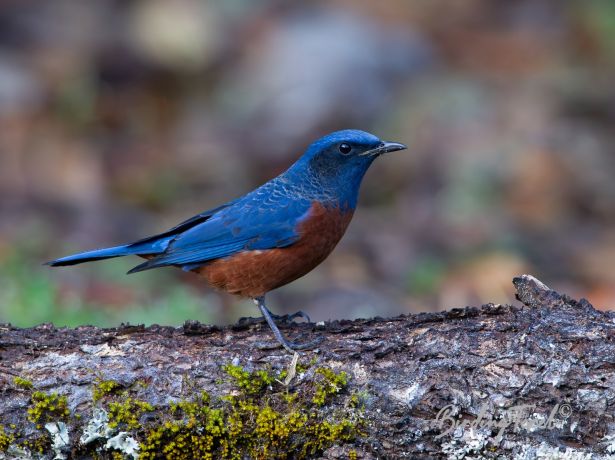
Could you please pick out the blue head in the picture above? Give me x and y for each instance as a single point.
(335, 164)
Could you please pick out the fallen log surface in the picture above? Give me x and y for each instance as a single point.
(533, 380)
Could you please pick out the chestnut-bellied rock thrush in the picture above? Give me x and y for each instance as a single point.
(274, 234)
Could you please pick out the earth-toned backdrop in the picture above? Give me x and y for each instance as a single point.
(119, 119)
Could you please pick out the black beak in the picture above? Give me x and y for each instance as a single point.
(385, 147)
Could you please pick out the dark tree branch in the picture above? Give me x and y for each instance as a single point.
(519, 381)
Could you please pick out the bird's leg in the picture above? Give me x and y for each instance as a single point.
(291, 347)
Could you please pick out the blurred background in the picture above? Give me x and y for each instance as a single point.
(118, 119)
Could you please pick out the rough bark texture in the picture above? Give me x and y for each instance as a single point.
(535, 380)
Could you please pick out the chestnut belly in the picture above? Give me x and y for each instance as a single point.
(256, 272)
(253, 273)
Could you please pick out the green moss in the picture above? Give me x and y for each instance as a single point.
(329, 384)
(324, 434)
(47, 407)
(22, 383)
(251, 382)
(259, 418)
(104, 388)
(39, 444)
(127, 412)
(272, 425)
(192, 408)
(300, 369)
(5, 439)
(44, 408)
(357, 400)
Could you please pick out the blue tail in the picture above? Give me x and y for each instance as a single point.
(149, 246)
(97, 254)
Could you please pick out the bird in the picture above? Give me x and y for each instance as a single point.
(270, 236)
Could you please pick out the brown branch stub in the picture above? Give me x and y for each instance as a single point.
(534, 293)
(517, 380)
(531, 291)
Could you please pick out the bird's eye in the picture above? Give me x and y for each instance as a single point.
(345, 148)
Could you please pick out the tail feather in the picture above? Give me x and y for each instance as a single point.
(140, 248)
(97, 254)
(150, 246)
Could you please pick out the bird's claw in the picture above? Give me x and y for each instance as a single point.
(285, 319)
(289, 318)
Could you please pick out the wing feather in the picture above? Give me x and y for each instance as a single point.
(263, 219)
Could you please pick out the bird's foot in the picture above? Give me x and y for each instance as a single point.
(283, 319)
(289, 318)
(291, 347)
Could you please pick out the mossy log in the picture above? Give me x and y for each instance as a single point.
(534, 380)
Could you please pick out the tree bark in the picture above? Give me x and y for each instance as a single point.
(534, 380)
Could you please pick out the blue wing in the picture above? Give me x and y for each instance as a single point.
(264, 219)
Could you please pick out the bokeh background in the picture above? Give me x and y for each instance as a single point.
(118, 119)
